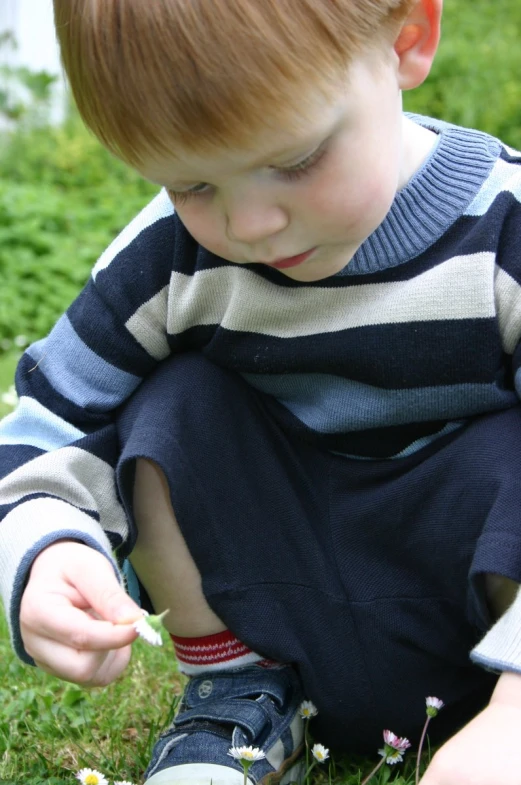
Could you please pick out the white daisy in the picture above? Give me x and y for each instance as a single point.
(307, 709)
(91, 777)
(149, 628)
(123, 782)
(320, 752)
(433, 706)
(249, 754)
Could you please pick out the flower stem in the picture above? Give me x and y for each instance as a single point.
(306, 741)
(420, 747)
(309, 770)
(373, 772)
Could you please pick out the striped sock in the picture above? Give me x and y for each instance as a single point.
(218, 652)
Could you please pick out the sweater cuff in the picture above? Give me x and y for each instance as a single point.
(500, 649)
(24, 533)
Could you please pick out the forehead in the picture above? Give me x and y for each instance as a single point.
(318, 117)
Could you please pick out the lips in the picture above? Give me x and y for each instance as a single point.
(290, 261)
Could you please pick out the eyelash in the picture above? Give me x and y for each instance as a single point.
(291, 174)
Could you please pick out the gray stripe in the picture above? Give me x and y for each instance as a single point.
(505, 176)
(74, 475)
(78, 373)
(148, 325)
(240, 300)
(508, 299)
(32, 424)
(330, 404)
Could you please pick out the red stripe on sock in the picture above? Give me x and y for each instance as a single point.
(222, 647)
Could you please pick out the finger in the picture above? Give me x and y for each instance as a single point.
(89, 669)
(76, 628)
(102, 591)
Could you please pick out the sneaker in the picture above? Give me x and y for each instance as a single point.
(249, 706)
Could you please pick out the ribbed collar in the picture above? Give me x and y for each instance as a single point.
(432, 200)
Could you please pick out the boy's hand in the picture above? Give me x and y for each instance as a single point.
(75, 618)
(486, 751)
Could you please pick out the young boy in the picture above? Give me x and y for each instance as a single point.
(291, 402)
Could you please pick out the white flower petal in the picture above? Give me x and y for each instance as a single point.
(307, 709)
(248, 754)
(320, 752)
(91, 777)
(145, 631)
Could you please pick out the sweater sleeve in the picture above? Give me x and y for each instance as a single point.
(59, 448)
(500, 649)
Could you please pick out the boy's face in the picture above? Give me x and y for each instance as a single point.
(319, 192)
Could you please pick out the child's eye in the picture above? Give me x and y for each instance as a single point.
(303, 167)
(180, 197)
(289, 173)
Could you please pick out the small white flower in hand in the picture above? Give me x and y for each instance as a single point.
(307, 709)
(320, 752)
(91, 777)
(149, 628)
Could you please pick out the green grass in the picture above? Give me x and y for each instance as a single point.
(7, 369)
(50, 729)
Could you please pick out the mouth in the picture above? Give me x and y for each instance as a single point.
(290, 261)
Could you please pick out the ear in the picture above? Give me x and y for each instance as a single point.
(417, 42)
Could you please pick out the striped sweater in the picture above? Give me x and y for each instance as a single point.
(419, 332)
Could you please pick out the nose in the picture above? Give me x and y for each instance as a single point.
(251, 220)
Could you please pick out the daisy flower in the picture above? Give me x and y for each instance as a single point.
(123, 782)
(307, 709)
(149, 628)
(433, 706)
(320, 752)
(247, 754)
(394, 747)
(91, 777)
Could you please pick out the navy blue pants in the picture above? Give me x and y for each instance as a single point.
(368, 576)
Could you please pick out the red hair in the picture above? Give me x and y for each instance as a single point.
(151, 75)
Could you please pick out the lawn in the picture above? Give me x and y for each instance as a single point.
(50, 729)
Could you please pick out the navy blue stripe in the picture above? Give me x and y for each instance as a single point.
(103, 331)
(511, 159)
(31, 381)
(395, 356)
(144, 267)
(508, 252)
(14, 456)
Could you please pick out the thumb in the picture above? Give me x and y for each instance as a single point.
(102, 590)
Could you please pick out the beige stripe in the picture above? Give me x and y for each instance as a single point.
(508, 299)
(275, 756)
(460, 288)
(73, 475)
(28, 523)
(148, 325)
(297, 730)
(501, 646)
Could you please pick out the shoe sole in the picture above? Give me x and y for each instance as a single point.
(214, 774)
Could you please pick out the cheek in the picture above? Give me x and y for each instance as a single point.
(204, 226)
(349, 197)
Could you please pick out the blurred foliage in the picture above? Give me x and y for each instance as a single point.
(475, 80)
(63, 198)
